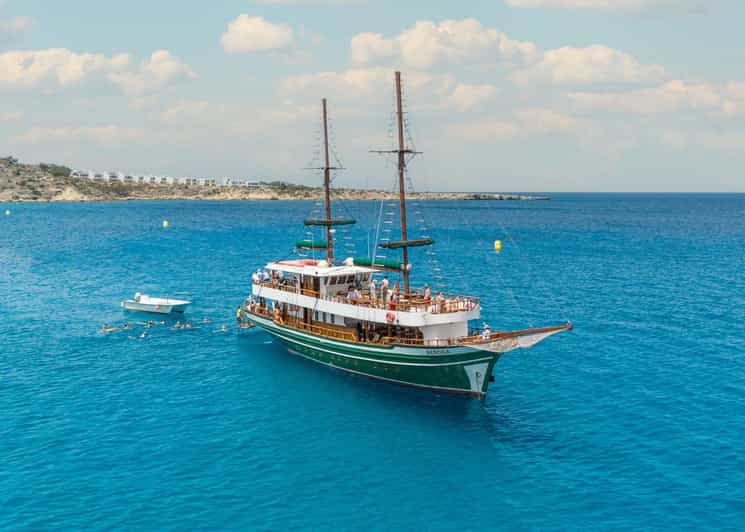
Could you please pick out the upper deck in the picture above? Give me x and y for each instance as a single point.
(318, 268)
(347, 292)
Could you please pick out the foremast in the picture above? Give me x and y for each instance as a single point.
(327, 185)
(327, 221)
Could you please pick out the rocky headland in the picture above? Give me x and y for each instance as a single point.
(52, 183)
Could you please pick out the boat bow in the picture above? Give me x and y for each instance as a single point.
(509, 341)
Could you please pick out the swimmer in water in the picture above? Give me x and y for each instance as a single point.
(144, 334)
(127, 326)
(105, 329)
(150, 323)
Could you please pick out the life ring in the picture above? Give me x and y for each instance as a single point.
(390, 317)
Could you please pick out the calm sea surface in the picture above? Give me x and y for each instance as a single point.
(636, 419)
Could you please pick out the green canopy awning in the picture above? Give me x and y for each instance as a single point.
(311, 244)
(383, 264)
(407, 243)
(329, 222)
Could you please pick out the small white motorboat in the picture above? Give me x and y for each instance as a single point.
(157, 305)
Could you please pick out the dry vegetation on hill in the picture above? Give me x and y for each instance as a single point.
(47, 182)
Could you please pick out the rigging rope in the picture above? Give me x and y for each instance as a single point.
(561, 310)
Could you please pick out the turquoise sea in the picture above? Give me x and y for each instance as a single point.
(633, 420)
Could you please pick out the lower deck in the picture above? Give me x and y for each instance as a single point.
(461, 370)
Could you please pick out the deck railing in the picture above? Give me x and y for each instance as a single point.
(415, 302)
(350, 335)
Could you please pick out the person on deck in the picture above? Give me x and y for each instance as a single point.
(239, 315)
(384, 291)
(373, 296)
(427, 293)
(487, 332)
(440, 301)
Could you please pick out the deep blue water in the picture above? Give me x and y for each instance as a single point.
(636, 419)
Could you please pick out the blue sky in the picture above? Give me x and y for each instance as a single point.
(503, 95)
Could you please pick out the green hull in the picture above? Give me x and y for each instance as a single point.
(461, 370)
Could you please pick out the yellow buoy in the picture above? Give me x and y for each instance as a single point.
(165, 224)
(497, 245)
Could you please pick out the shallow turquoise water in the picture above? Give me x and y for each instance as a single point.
(636, 419)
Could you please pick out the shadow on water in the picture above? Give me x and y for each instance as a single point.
(493, 418)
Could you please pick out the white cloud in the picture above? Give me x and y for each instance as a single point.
(466, 97)
(721, 141)
(105, 135)
(370, 83)
(374, 85)
(593, 64)
(527, 122)
(15, 26)
(368, 47)
(734, 98)
(192, 111)
(24, 69)
(308, 2)
(161, 69)
(10, 116)
(672, 96)
(428, 43)
(621, 5)
(256, 34)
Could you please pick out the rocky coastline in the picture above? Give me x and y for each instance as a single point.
(50, 183)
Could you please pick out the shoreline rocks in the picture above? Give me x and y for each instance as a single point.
(35, 183)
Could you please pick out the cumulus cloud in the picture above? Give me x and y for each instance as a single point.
(248, 34)
(428, 43)
(308, 2)
(722, 141)
(63, 68)
(105, 135)
(669, 97)
(160, 69)
(592, 64)
(24, 69)
(15, 26)
(527, 122)
(10, 116)
(621, 5)
(375, 85)
(466, 97)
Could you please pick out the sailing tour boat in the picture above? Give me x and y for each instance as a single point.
(332, 312)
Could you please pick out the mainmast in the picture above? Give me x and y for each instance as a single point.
(401, 179)
(404, 244)
(327, 186)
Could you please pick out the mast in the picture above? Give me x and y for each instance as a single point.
(327, 222)
(401, 179)
(404, 244)
(327, 185)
